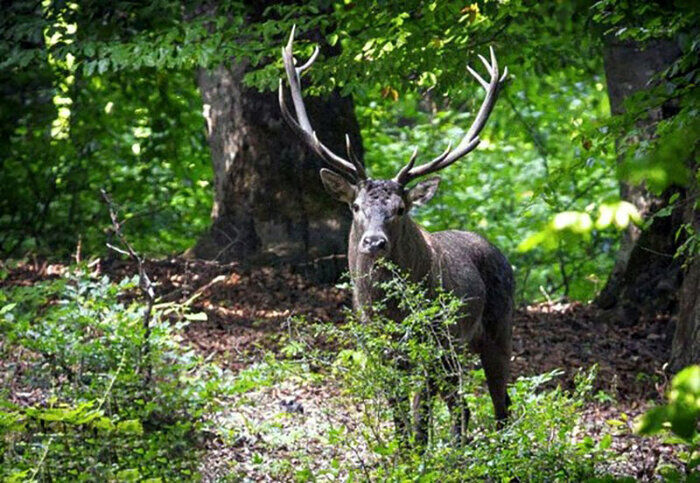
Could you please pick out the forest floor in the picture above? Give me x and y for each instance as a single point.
(248, 310)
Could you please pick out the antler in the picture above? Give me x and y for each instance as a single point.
(301, 125)
(471, 140)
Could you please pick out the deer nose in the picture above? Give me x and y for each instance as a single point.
(374, 243)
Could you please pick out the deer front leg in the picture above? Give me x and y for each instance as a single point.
(422, 404)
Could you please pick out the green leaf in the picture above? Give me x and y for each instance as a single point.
(684, 421)
(130, 426)
(131, 474)
(687, 381)
(7, 308)
(652, 421)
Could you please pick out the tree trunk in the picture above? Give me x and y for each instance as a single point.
(269, 203)
(645, 275)
(648, 278)
(686, 340)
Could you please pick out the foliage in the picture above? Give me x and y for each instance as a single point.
(681, 416)
(99, 406)
(566, 223)
(538, 445)
(140, 138)
(380, 41)
(657, 157)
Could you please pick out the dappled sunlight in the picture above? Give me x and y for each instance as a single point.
(218, 264)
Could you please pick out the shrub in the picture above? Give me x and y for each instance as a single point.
(381, 358)
(102, 406)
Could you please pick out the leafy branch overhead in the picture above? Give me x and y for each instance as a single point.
(396, 43)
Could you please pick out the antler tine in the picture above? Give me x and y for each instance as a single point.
(309, 62)
(471, 140)
(476, 75)
(354, 159)
(408, 172)
(312, 140)
(504, 76)
(489, 67)
(301, 124)
(402, 177)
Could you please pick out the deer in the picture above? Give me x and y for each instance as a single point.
(460, 262)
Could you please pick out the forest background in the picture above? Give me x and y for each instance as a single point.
(586, 176)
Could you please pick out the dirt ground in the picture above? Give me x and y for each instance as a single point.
(248, 309)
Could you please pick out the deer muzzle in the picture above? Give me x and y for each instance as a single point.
(374, 244)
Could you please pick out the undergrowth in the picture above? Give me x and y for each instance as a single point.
(381, 358)
(87, 396)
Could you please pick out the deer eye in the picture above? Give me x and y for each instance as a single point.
(355, 207)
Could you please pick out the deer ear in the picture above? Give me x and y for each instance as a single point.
(421, 193)
(337, 186)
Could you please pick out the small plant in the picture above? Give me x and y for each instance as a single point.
(680, 417)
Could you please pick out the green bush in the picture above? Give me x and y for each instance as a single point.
(105, 403)
(540, 441)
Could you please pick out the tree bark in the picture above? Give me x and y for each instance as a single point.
(269, 203)
(648, 277)
(686, 340)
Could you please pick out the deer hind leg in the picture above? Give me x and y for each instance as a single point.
(401, 413)
(495, 358)
(459, 411)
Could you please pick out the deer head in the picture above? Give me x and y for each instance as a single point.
(380, 206)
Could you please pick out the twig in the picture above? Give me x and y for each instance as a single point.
(562, 270)
(78, 249)
(145, 283)
(111, 383)
(201, 290)
(36, 470)
(534, 134)
(232, 241)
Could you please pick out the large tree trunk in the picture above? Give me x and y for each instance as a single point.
(269, 202)
(645, 270)
(686, 340)
(648, 278)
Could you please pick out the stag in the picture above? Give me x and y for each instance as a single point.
(461, 262)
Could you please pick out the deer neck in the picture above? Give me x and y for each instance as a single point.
(411, 252)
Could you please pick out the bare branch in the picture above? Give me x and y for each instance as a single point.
(145, 284)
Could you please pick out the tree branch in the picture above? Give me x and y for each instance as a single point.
(145, 283)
